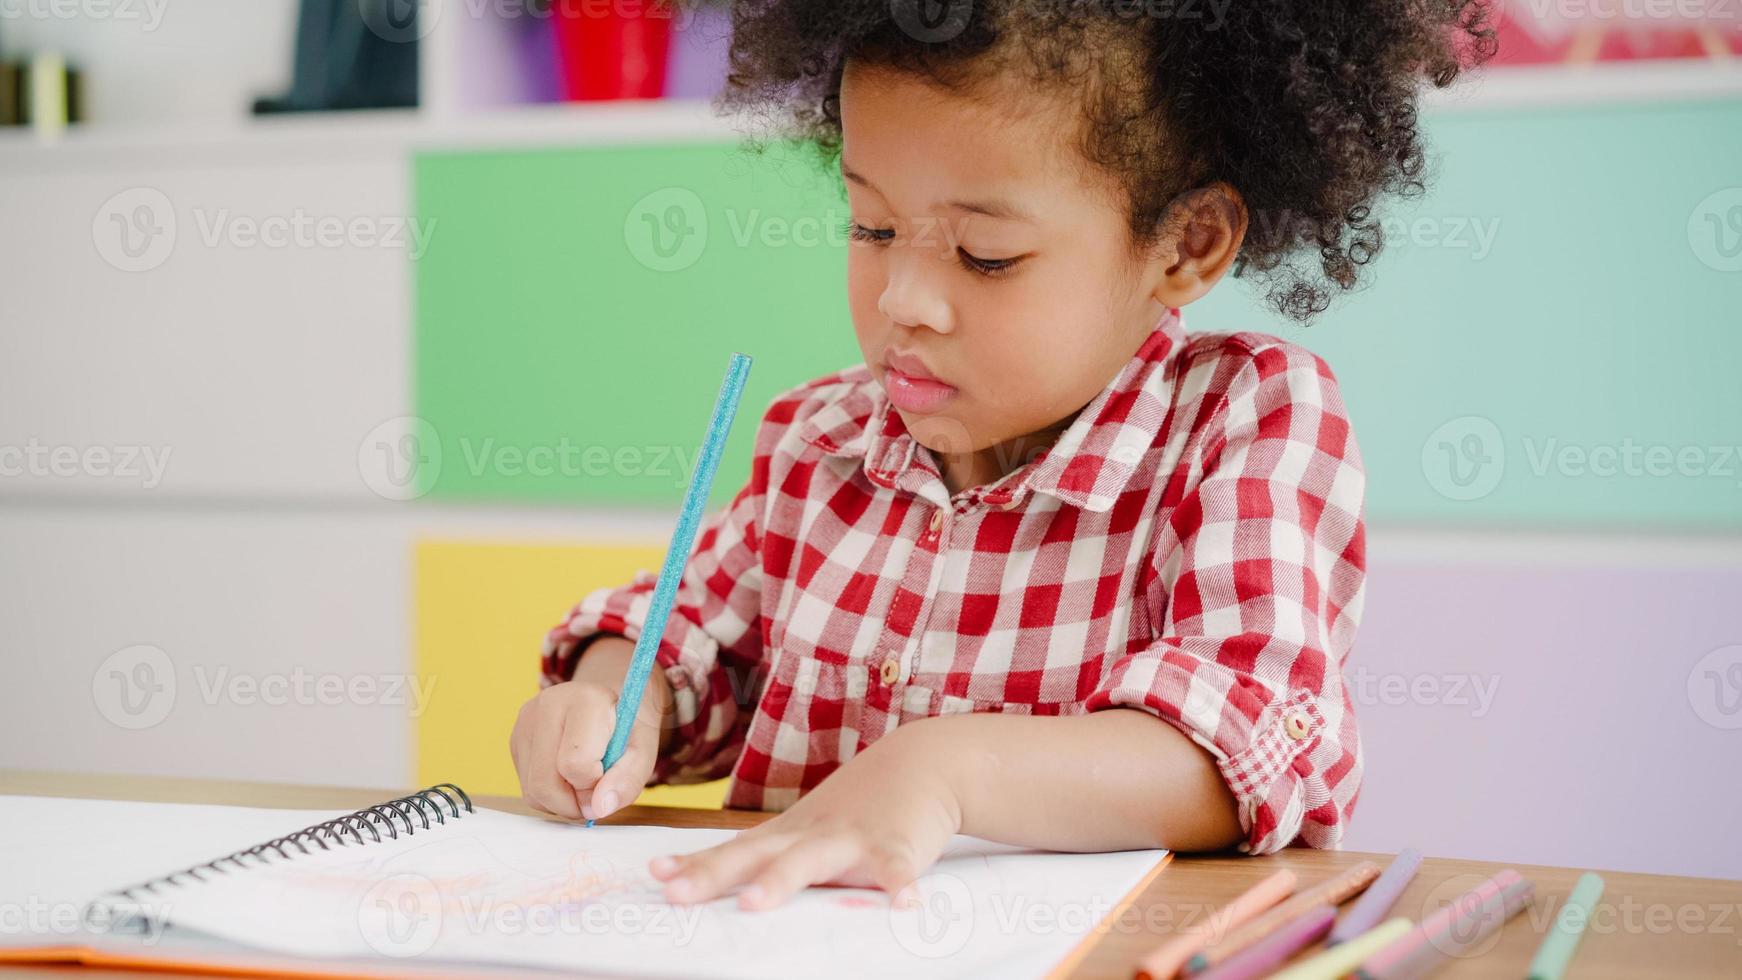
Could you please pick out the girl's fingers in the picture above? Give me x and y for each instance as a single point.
(707, 874)
(541, 782)
(811, 860)
(623, 782)
(666, 867)
(586, 729)
(897, 873)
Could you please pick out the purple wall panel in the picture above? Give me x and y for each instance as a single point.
(1546, 714)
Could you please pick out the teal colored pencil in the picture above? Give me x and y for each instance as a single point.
(1558, 946)
(683, 538)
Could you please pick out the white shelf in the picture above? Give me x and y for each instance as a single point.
(326, 134)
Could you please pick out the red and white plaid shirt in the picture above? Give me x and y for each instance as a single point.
(1191, 546)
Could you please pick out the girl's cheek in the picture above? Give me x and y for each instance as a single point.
(865, 279)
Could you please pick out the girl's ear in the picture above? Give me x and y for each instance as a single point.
(1207, 226)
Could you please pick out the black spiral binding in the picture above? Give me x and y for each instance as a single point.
(343, 831)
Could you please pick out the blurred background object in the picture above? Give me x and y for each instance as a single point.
(612, 51)
(352, 54)
(310, 425)
(43, 92)
(1578, 33)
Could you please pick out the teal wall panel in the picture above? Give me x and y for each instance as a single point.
(1568, 294)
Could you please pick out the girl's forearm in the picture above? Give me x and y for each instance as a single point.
(1106, 780)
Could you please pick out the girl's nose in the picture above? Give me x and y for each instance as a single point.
(912, 296)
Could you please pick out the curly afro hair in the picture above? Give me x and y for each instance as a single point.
(1307, 109)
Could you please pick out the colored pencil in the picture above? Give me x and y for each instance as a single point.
(1475, 922)
(1167, 960)
(1333, 892)
(1371, 907)
(1265, 955)
(683, 538)
(1562, 941)
(1338, 960)
(1437, 925)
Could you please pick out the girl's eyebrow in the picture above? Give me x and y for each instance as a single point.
(990, 207)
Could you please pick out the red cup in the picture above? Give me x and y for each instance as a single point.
(612, 49)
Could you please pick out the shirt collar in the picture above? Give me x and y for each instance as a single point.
(1092, 461)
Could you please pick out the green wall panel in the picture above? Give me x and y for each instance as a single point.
(1553, 336)
(576, 310)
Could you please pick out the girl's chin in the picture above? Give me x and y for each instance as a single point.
(942, 434)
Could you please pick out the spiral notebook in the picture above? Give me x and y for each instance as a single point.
(433, 884)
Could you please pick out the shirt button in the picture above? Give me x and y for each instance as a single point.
(1296, 726)
(937, 521)
(890, 670)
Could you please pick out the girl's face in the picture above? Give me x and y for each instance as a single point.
(992, 286)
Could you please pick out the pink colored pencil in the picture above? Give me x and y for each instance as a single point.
(1167, 960)
(1333, 891)
(1476, 925)
(1441, 927)
(1264, 956)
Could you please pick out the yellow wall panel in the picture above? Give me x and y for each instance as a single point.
(482, 609)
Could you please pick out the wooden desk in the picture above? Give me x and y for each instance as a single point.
(1645, 926)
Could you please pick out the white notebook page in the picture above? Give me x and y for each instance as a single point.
(500, 888)
(503, 889)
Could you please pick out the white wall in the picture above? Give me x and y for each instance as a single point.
(225, 385)
(259, 377)
(257, 366)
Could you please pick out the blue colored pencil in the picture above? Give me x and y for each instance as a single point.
(1370, 909)
(683, 538)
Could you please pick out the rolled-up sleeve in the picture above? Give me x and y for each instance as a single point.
(711, 650)
(1255, 588)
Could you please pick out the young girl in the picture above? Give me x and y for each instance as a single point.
(1044, 569)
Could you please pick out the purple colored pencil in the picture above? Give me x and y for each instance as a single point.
(1370, 909)
(1264, 956)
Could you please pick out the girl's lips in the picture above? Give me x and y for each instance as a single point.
(911, 394)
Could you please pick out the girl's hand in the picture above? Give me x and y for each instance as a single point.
(879, 821)
(559, 739)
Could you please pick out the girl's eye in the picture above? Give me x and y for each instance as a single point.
(859, 233)
(991, 268)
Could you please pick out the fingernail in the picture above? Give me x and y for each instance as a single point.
(752, 897)
(605, 802)
(662, 865)
(587, 811)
